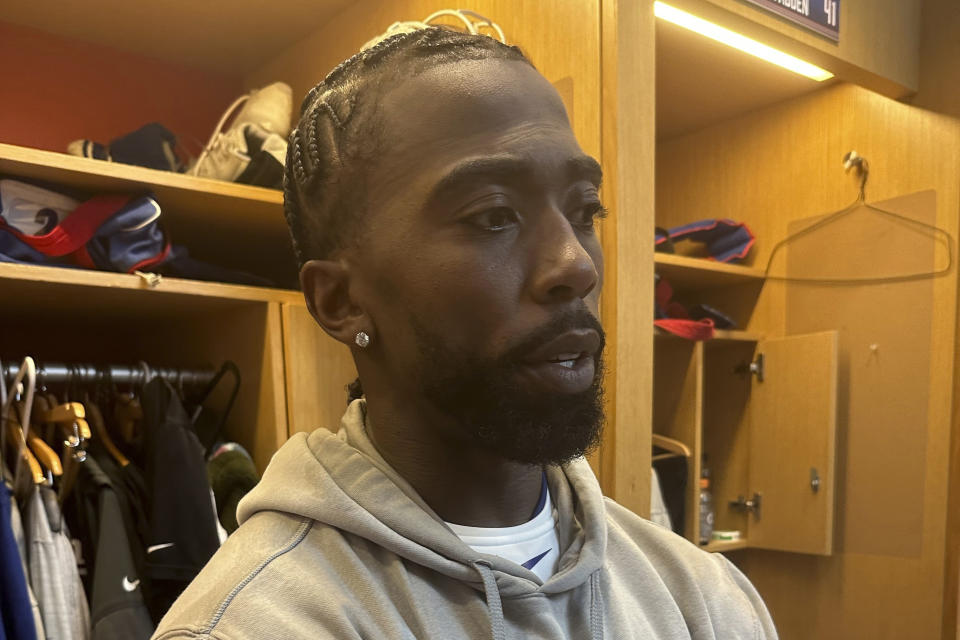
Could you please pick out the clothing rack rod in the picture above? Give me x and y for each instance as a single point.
(56, 373)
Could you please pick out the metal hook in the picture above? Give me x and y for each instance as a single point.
(853, 160)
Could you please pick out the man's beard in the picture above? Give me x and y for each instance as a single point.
(491, 409)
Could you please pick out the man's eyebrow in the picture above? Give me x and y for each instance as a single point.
(509, 166)
(476, 169)
(585, 167)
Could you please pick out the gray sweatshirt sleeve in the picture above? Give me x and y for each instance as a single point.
(765, 628)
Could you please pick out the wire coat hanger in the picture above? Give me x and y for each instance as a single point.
(228, 367)
(854, 161)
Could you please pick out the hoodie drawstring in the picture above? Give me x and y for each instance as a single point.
(492, 593)
(596, 607)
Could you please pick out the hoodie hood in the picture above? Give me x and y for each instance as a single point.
(341, 480)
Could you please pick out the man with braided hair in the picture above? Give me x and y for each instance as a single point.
(443, 216)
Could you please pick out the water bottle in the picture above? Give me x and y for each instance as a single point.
(706, 508)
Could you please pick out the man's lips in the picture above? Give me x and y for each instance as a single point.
(566, 364)
(569, 346)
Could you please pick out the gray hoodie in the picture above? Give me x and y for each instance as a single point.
(333, 543)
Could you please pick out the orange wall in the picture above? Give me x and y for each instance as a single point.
(55, 90)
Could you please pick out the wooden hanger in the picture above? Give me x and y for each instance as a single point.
(14, 435)
(100, 428)
(75, 429)
(66, 412)
(71, 421)
(127, 413)
(674, 447)
(66, 415)
(44, 454)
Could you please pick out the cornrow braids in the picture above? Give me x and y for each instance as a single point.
(334, 138)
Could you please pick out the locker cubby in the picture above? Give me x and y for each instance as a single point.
(62, 321)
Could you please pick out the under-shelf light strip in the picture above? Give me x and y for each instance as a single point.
(741, 42)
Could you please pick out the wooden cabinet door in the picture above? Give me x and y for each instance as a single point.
(793, 424)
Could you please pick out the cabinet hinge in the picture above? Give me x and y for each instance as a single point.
(751, 505)
(751, 368)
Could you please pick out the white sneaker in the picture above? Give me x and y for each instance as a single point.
(224, 158)
(267, 110)
(232, 151)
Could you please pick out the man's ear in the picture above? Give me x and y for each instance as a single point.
(326, 288)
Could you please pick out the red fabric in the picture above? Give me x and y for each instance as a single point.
(706, 225)
(76, 229)
(677, 310)
(82, 257)
(663, 293)
(689, 329)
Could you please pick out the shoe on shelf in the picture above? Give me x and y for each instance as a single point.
(269, 108)
(260, 126)
(88, 149)
(151, 146)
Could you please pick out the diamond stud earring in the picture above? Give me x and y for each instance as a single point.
(362, 339)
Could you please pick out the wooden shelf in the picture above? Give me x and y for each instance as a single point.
(723, 546)
(724, 335)
(233, 203)
(233, 225)
(699, 273)
(719, 336)
(71, 293)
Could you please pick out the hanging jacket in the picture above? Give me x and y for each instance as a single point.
(117, 608)
(333, 543)
(182, 531)
(53, 571)
(16, 611)
(20, 536)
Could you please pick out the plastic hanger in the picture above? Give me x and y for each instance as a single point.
(673, 447)
(16, 433)
(854, 161)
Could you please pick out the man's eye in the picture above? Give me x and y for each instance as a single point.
(495, 219)
(587, 214)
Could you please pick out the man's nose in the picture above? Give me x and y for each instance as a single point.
(563, 269)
